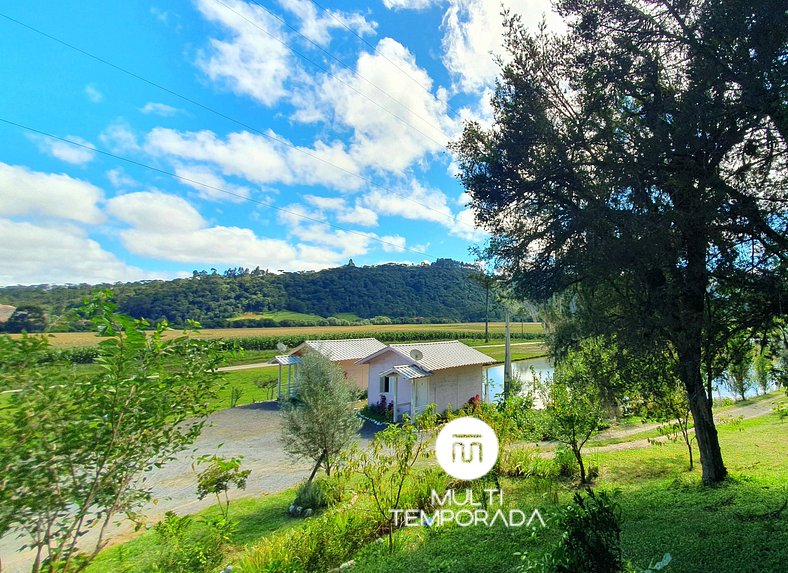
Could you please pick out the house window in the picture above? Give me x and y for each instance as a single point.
(385, 384)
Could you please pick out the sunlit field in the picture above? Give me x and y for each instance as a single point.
(71, 339)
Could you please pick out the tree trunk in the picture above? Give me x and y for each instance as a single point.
(314, 469)
(688, 339)
(705, 431)
(580, 463)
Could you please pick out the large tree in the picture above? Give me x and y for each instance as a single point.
(640, 160)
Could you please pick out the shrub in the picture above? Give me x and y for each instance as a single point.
(417, 493)
(565, 463)
(311, 495)
(520, 462)
(591, 541)
(322, 543)
(474, 403)
(185, 549)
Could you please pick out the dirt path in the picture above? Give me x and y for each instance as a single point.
(746, 411)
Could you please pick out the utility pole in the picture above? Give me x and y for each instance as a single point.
(507, 361)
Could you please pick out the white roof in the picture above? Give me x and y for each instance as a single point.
(406, 371)
(346, 349)
(436, 355)
(286, 360)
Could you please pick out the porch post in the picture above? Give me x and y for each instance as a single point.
(396, 398)
(289, 369)
(412, 398)
(279, 383)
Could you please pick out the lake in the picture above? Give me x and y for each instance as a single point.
(522, 369)
(543, 368)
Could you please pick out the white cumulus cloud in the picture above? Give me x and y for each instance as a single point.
(79, 154)
(473, 32)
(33, 253)
(157, 108)
(27, 192)
(317, 26)
(255, 60)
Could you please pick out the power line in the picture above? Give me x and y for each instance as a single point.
(336, 77)
(212, 187)
(240, 123)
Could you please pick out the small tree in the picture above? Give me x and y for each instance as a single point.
(572, 407)
(218, 477)
(321, 421)
(762, 369)
(738, 378)
(668, 403)
(73, 444)
(388, 463)
(27, 318)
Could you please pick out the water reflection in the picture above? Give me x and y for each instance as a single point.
(524, 370)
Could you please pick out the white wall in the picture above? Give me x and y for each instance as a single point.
(450, 387)
(380, 364)
(455, 386)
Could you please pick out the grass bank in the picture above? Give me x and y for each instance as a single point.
(736, 526)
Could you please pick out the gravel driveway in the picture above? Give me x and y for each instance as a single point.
(251, 431)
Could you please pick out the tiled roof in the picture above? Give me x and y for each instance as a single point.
(438, 355)
(347, 349)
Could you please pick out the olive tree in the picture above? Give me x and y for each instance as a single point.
(74, 443)
(321, 421)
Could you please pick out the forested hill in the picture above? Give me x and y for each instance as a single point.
(441, 291)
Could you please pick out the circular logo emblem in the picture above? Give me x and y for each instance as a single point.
(466, 448)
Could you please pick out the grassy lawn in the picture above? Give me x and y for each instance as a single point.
(349, 316)
(731, 527)
(256, 518)
(245, 381)
(736, 526)
(252, 357)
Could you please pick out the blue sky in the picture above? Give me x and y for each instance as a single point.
(290, 134)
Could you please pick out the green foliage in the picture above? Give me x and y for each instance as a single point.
(321, 543)
(235, 395)
(321, 421)
(762, 367)
(184, 550)
(591, 541)
(572, 411)
(608, 177)
(72, 444)
(26, 318)
(738, 378)
(219, 475)
(565, 463)
(437, 292)
(311, 495)
(387, 464)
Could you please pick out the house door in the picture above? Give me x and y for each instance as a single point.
(422, 388)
